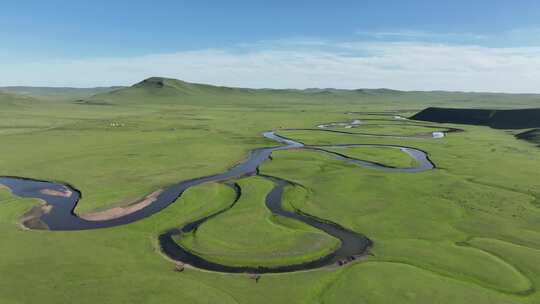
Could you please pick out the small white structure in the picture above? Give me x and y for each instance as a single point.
(438, 134)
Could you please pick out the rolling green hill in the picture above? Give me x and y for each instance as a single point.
(172, 91)
(12, 99)
(56, 93)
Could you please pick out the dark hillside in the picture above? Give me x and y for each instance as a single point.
(498, 119)
(531, 135)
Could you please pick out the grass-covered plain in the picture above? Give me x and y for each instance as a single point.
(250, 235)
(466, 232)
(392, 157)
(391, 128)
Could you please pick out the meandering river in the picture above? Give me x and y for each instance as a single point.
(60, 201)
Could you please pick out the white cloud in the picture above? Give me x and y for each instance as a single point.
(404, 65)
(421, 35)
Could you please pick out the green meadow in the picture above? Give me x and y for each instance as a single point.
(249, 235)
(465, 232)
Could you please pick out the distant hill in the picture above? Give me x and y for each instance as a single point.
(161, 90)
(56, 93)
(13, 99)
(164, 90)
(161, 84)
(499, 119)
(156, 90)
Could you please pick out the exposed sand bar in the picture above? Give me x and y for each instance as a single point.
(118, 212)
(51, 192)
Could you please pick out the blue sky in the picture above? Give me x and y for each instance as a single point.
(469, 45)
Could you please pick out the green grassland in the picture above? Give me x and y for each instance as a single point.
(384, 126)
(249, 235)
(466, 232)
(391, 157)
